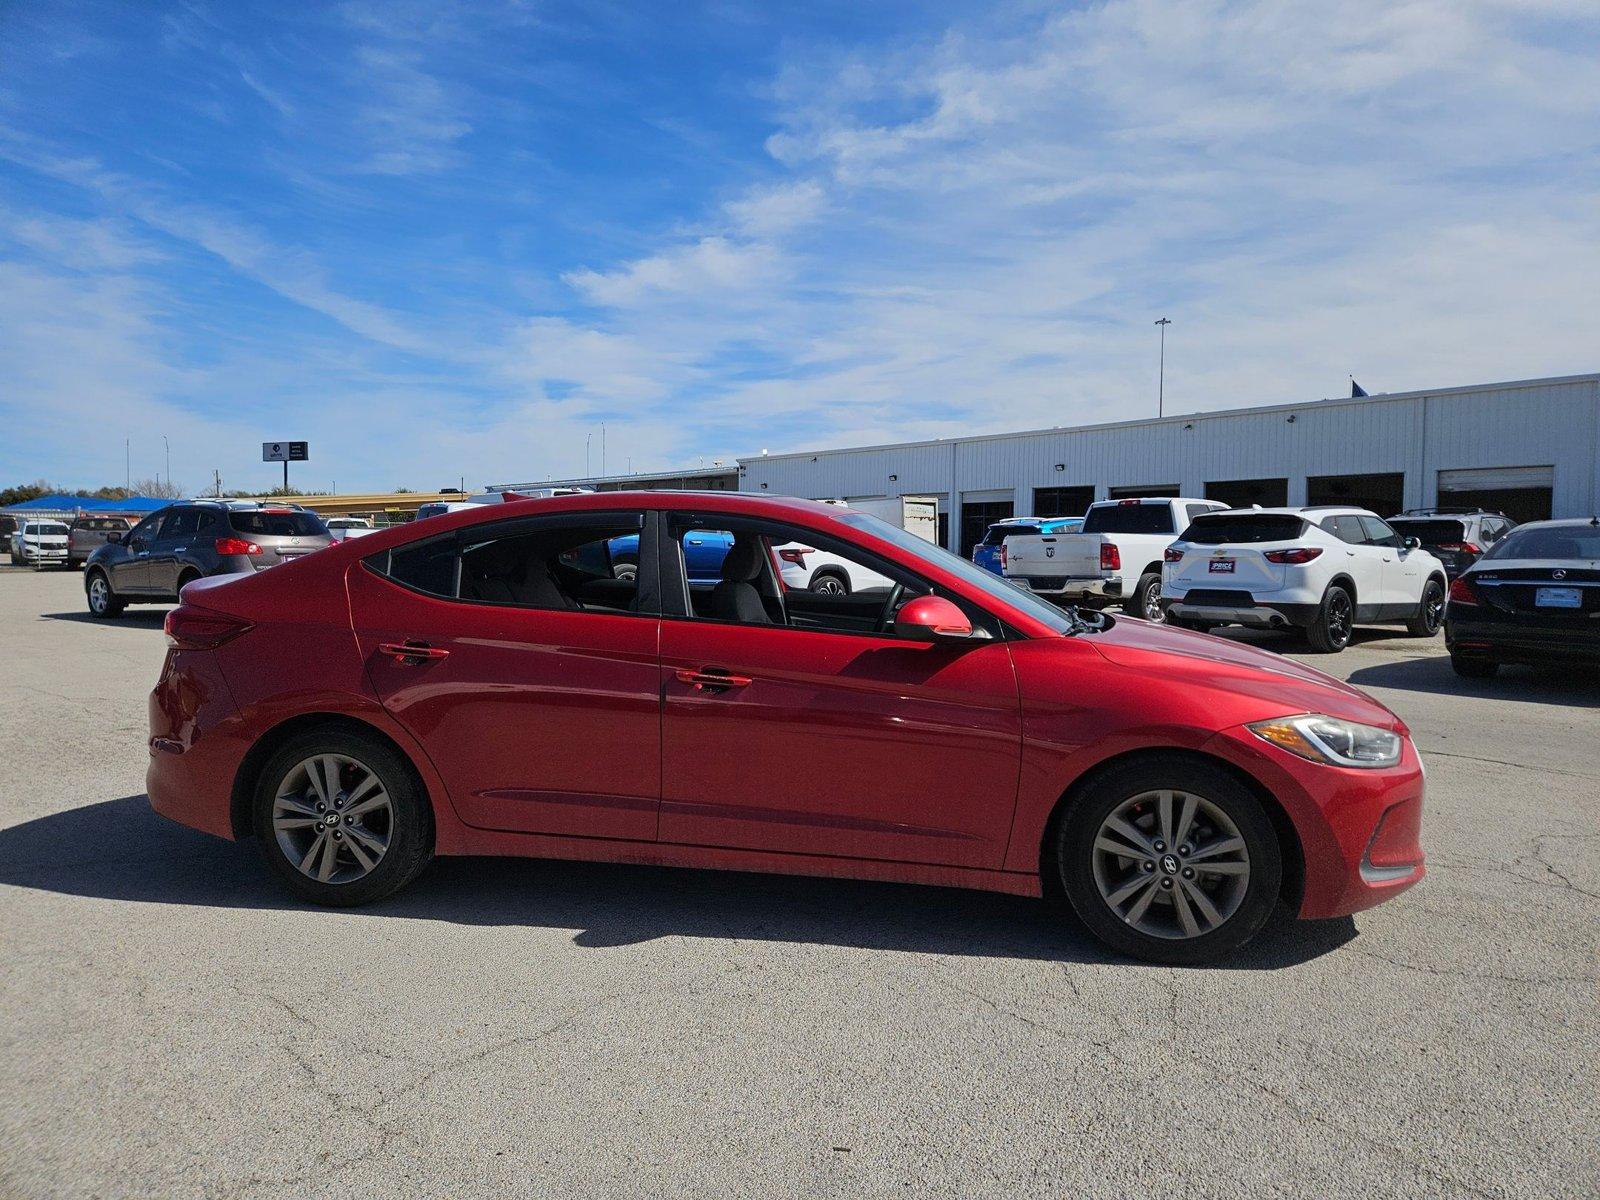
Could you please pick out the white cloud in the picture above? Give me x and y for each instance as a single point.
(709, 268)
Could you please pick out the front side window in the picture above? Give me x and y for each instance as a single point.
(146, 528)
(769, 574)
(1378, 532)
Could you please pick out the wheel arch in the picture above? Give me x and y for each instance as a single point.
(1151, 569)
(241, 800)
(1343, 580)
(1292, 887)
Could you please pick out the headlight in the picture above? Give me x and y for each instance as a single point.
(1330, 740)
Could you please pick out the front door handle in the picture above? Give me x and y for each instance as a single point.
(711, 679)
(412, 653)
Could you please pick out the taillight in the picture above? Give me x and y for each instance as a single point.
(233, 545)
(1172, 554)
(1110, 557)
(795, 555)
(1300, 554)
(1461, 592)
(196, 629)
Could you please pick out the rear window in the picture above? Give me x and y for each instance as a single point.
(101, 524)
(1244, 527)
(1553, 541)
(1430, 532)
(1129, 518)
(268, 523)
(999, 533)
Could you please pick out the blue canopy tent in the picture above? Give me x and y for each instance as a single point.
(61, 507)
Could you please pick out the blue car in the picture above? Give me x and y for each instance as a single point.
(987, 552)
(703, 552)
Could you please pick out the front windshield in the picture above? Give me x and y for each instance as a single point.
(986, 581)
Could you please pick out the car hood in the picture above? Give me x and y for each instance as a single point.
(1282, 684)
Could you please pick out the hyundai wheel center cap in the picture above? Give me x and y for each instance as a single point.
(1169, 863)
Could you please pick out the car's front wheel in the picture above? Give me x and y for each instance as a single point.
(1430, 613)
(1168, 859)
(103, 602)
(340, 818)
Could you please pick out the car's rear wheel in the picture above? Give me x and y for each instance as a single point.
(1146, 599)
(186, 579)
(1430, 613)
(1474, 668)
(1329, 632)
(1170, 860)
(103, 602)
(341, 819)
(830, 583)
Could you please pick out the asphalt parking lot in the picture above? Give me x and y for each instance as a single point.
(175, 1026)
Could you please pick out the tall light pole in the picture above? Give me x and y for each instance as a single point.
(168, 445)
(1161, 377)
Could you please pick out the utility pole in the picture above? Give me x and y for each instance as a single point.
(168, 445)
(602, 447)
(127, 465)
(1161, 377)
(216, 475)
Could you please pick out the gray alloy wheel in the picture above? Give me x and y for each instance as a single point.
(1171, 864)
(103, 601)
(1149, 599)
(332, 818)
(830, 585)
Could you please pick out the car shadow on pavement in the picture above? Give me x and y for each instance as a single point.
(1569, 687)
(121, 850)
(133, 618)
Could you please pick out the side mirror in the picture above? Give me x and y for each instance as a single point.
(933, 619)
(113, 537)
(1411, 543)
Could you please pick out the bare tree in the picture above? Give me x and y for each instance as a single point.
(157, 489)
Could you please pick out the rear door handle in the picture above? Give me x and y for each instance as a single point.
(410, 653)
(711, 679)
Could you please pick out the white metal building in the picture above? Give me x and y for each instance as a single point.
(1529, 448)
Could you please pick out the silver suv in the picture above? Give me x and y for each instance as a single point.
(1457, 537)
(152, 562)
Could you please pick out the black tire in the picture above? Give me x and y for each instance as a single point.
(1071, 858)
(184, 581)
(410, 832)
(1146, 599)
(1430, 613)
(1474, 668)
(102, 598)
(830, 583)
(1329, 632)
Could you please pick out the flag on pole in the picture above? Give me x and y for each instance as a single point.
(1356, 390)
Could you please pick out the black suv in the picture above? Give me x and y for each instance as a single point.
(1457, 537)
(185, 541)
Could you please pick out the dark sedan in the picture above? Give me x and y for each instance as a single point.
(1534, 598)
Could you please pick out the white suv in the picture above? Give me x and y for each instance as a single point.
(1323, 570)
(808, 569)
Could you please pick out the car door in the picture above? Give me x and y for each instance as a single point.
(166, 554)
(1403, 573)
(129, 568)
(812, 729)
(527, 670)
(1361, 561)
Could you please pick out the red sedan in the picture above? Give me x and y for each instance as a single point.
(545, 678)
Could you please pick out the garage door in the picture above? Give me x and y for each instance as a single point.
(1522, 493)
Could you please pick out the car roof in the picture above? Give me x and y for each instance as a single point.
(1560, 523)
(1303, 511)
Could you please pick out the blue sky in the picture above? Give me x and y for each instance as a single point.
(444, 240)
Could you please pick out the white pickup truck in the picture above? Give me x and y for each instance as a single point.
(1115, 559)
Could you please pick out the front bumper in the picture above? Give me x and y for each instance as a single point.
(1358, 829)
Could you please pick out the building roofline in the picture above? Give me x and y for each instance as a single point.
(1184, 418)
(634, 477)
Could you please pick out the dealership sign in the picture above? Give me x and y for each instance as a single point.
(285, 451)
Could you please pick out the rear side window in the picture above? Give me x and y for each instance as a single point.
(1346, 529)
(1431, 532)
(265, 522)
(1129, 518)
(425, 567)
(185, 522)
(1249, 527)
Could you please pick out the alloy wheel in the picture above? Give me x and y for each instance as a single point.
(1171, 864)
(1433, 607)
(99, 594)
(828, 585)
(332, 818)
(1152, 603)
(1340, 621)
